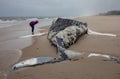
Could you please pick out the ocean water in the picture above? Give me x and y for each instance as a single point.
(11, 21)
(4, 22)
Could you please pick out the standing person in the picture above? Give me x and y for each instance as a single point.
(32, 24)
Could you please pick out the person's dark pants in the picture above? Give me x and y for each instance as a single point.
(32, 28)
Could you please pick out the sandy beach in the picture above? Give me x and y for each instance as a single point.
(14, 49)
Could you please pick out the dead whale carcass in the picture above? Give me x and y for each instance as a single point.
(66, 29)
(63, 33)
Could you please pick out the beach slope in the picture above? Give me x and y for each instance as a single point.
(84, 68)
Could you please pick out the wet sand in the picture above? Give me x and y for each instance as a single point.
(11, 45)
(84, 68)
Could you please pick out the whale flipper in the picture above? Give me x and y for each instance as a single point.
(32, 62)
(91, 32)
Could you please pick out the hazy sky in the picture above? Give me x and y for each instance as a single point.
(56, 7)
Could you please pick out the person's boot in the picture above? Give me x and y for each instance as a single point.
(32, 33)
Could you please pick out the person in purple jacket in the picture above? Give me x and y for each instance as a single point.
(32, 24)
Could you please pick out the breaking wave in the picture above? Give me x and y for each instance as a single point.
(7, 23)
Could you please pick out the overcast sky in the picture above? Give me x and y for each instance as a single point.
(56, 7)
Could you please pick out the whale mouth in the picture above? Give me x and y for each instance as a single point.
(14, 68)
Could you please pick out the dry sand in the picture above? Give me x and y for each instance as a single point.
(84, 68)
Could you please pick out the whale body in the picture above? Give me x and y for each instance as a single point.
(63, 33)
